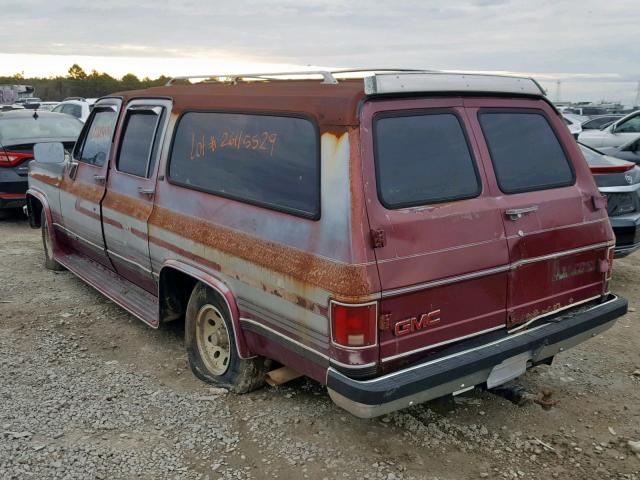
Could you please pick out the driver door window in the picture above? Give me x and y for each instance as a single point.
(96, 144)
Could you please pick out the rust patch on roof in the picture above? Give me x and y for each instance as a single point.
(328, 104)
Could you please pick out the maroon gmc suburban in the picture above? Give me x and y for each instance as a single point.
(399, 237)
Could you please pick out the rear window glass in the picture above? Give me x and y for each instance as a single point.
(26, 127)
(525, 152)
(267, 160)
(423, 159)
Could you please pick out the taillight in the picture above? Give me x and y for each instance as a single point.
(354, 325)
(11, 159)
(619, 168)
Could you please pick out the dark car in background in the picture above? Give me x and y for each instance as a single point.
(619, 182)
(19, 131)
(629, 151)
(601, 121)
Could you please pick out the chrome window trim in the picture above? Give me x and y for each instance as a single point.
(491, 271)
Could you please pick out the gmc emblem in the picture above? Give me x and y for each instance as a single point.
(414, 324)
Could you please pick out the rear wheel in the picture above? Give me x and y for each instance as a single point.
(211, 345)
(47, 242)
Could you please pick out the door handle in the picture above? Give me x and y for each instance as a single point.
(516, 213)
(147, 192)
(73, 169)
(100, 179)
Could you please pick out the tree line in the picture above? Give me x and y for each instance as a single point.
(77, 83)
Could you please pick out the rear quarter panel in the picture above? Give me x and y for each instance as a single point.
(282, 269)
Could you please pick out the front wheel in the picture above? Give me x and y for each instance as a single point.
(47, 242)
(211, 345)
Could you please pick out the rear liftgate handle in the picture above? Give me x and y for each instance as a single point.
(516, 213)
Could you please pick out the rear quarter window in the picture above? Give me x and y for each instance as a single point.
(422, 159)
(525, 152)
(266, 160)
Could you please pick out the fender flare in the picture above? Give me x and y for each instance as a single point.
(41, 197)
(46, 208)
(224, 291)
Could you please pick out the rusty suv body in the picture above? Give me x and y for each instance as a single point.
(373, 235)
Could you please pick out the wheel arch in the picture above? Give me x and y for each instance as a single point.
(36, 203)
(167, 313)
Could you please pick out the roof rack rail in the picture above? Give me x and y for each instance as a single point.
(398, 80)
(328, 76)
(380, 70)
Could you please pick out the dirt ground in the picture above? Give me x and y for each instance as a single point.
(88, 391)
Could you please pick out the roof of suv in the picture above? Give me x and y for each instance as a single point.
(329, 104)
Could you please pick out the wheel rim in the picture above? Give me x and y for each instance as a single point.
(212, 338)
(47, 241)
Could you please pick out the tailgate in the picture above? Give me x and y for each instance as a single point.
(556, 223)
(442, 251)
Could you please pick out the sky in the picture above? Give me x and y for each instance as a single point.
(590, 45)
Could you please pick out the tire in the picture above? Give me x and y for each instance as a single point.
(211, 345)
(47, 242)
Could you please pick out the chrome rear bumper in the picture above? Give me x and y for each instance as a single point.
(466, 368)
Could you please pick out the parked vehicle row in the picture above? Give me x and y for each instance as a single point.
(77, 107)
(19, 131)
(619, 182)
(333, 228)
(619, 133)
(600, 121)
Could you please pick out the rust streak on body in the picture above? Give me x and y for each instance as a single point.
(344, 279)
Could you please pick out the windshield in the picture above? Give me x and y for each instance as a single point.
(27, 127)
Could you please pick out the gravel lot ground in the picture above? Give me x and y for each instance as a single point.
(87, 391)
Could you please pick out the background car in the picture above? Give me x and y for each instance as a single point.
(588, 111)
(19, 131)
(596, 123)
(619, 181)
(629, 151)
(77, 107)
(48, 106)
(574, 122)
(618, 133)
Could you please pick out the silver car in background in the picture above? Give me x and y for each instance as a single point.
(619, 181)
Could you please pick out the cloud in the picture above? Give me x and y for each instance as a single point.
(546, 36)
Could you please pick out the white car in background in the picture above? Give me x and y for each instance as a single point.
(616, 134)
(574, 123)
(77, 107)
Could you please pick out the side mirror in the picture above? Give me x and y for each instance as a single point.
(50, 152)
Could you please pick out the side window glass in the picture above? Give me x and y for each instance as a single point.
(96, 142)
(75, 110)
(266, 160)
(136, 150)
(630, 126)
